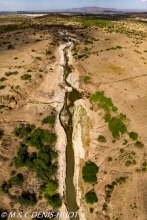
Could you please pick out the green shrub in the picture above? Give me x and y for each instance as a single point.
(133, 135)
(50, 188)
(27, 199)
(48, 52)
(17, 180)
(102, 139)
(54, 201)
(117, 126)
(2, 79)
(4, 188)
(28, 71)
(109, 188)
(2, 86)
(11, 73)
(109, 158)
(10, 47)
(139, 144)
(23, 131)
(22, 157)
(49, 120)
(26, 76)
(103, 101)
(13, 172)
(128, 163)
(86, 79)
(91, 210)
(40, 137)
(89, 172)
(121, 180)
(107, 117)
(91, 197)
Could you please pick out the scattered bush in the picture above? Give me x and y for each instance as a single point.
(25, 76)
(48, 52)
(117, 126)
(40, 137)
(4, 188)
(23, 131)
(109, 158)
(102, 139)
(2, 79)
(139, 144)
(54, 201)
(2, 86)
(133, 135)
(11, 73)
(89, 172)
(27, 199)
(28, 71)
(91, 197)
(50, 188)
(17, 180)
(38, 58)
(49, 120)
(86, 79)
(10, 47)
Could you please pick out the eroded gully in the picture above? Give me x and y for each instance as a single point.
(71, 95)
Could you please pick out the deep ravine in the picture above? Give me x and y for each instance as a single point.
(65, 117)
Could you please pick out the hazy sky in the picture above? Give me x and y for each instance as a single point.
(63, 4)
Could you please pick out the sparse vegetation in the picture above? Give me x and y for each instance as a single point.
(25, 76)
(101, 139)
(86, 79)
(11, 73)
(139, 144)
(2, 87)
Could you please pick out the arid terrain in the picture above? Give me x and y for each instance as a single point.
(81, 81)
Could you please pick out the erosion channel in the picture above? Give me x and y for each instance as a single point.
(71, 96)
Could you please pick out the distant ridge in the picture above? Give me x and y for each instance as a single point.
(91, 9)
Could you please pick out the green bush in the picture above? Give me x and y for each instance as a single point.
(40, 137)
(86, 79)
(133, 135)
(107, 117)
(23, 131)
(102, 139)
(50, 188)
(17, 180)
(11, 73)
(91, 197)
(26, 76)
(121, 180)
(89, 172)
(103, 101)
(54, 201)
(27, 199)
(22, 157)
(117, 126)
(128, 163)
(2, 79)
(49, 120)
(4, 188)
(2, 86)
(38, 58)
(139, 144)
(48, 52)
